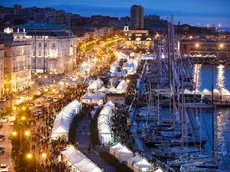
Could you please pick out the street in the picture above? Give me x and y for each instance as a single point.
(5, 130)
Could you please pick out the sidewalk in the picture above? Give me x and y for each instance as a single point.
(83, 138)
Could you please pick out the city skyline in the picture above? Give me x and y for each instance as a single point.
(197, 13)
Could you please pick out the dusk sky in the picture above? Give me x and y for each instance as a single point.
(195, 12)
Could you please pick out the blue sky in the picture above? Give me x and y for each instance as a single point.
(196, 12)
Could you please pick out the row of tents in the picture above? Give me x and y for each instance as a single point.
(78, 161)
(64, 119)
(134, 161)
(103, 123)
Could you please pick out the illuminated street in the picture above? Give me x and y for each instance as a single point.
(105, 86)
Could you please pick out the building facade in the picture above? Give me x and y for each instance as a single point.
(204, 46)
(53, 48)
(137, 17)
(1, 69)
(53, 54)
(17, 62)
(139, 38)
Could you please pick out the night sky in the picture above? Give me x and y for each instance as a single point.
(195, 12)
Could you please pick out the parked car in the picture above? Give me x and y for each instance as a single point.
(55, 99)
(3, 99)
(4, 119)
(2, 150)
(49, 99)
(11, 123)
(38, 104)
(31, 104)
(4, 168)
(2, 137)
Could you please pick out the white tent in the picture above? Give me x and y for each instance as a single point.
(79, 161)
(121, 88)
(95, 85)
(103, 90)
(73, 155)
(142, 165)
(93, 98)
(103, 123)
(158, 170)
(113, 148)
(123, 154)
(133, 160)
(64, 118)
(206, 92)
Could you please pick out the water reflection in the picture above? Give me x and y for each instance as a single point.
(220, 77)
(196, 76)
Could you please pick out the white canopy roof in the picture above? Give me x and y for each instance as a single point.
(103, 122)
(103, 90)
(206, 92)
(133, 160)
(121, 88)
(64, 118)
(142, 165)
(114, 147)
(158, 170)
(123, 153)
(91, 96)
(96, 84)
(79, 160)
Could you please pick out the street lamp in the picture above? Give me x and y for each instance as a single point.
(197, 45)
(27, 133)
(14, 133)
(221, 45)
(29, 155)
(23, 118)
(44, 155)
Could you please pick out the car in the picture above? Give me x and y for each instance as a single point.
(38, 104)
(31, 104)
(49, 98)
(3, 99)
(2, 150)
(11, 123)
(55, 99)
(4, 119)
(4, 168)
(2, 137)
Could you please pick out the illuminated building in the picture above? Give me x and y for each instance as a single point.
(206, 46)
(53, 48)
(1, 68)
(17, 61)
(139, 38)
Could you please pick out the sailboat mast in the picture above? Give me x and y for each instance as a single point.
(213, 138)
(158, 108)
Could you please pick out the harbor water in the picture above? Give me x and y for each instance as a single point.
(204, 76)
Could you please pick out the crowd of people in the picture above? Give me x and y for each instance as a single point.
(44, 150)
